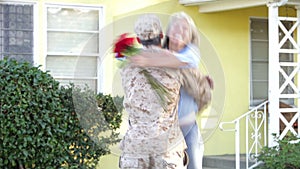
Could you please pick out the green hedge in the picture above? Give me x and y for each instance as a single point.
(39, 126)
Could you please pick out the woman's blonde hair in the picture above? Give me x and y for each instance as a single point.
(194, 34)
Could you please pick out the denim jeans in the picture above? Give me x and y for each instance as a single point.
(195, 146)
(190, 130)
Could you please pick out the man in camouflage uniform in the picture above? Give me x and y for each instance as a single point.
(154, 139)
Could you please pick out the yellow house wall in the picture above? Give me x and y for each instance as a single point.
(227, 32)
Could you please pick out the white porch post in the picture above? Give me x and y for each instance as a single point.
(273, 123)
(298, 60)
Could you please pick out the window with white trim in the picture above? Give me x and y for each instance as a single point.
(16, 31)
(73, 44)
(259, 62)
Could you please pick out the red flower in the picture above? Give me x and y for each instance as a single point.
(124, 45)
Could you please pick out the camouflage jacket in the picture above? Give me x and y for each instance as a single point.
(152, 130)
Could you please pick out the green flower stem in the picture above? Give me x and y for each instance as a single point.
(161, 91)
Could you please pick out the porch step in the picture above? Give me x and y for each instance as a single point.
(223, 162)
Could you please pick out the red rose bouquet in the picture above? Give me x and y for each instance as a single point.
(126, 46)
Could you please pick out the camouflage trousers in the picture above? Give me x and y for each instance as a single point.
(174, 160)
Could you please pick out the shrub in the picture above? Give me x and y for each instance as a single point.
(39, 126)
(112, 108)
(283, 156)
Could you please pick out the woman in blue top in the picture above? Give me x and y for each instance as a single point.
(182, 41)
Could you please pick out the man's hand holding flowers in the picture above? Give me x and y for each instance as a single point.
(126, 46)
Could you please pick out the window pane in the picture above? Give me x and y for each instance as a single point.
(16, 31)
(72, 19)
(260, 71)
(21, 57)
(18, 41)
(260, 90)
(259, 29)
(72, 66)
(70, 42)
(259, 51)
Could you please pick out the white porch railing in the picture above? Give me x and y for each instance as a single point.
(255, 134)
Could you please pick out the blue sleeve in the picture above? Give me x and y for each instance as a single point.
(190, 55)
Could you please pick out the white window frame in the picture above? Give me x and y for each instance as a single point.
(35, 25)
(256, 102)
(100, 69)
(253, 102)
